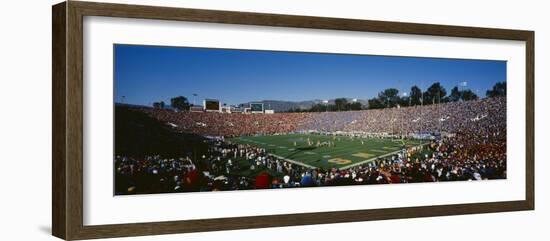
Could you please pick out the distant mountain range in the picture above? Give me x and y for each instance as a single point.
(281, 106)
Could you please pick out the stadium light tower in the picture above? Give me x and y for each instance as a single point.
(439, 110)
(194, 98)
(421, 105)
(326, 104)
(463, 85)
(391, 117)
(405, 94)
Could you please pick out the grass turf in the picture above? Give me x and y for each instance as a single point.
(345, 152)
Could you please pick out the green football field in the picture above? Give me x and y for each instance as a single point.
(337, 151)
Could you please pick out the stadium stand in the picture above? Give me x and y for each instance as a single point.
(470, 145)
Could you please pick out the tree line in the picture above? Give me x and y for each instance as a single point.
(387, 98)
(178, 103)
(434, 94)
(391, 97)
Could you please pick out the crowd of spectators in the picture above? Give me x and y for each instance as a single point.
(224, 124)
(440, 118)
(442, 160)
(470, 145)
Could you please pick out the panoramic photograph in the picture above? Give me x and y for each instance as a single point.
(191, 119)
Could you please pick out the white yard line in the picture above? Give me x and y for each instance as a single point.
(372, 159)
(282, 158)
(369, 160)
(292, 161)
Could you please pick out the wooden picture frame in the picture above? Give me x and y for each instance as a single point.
(67, 159)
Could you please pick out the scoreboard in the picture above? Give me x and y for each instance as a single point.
(211, 105)
(257, 107)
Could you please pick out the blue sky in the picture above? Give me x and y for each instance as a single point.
(144, 74)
